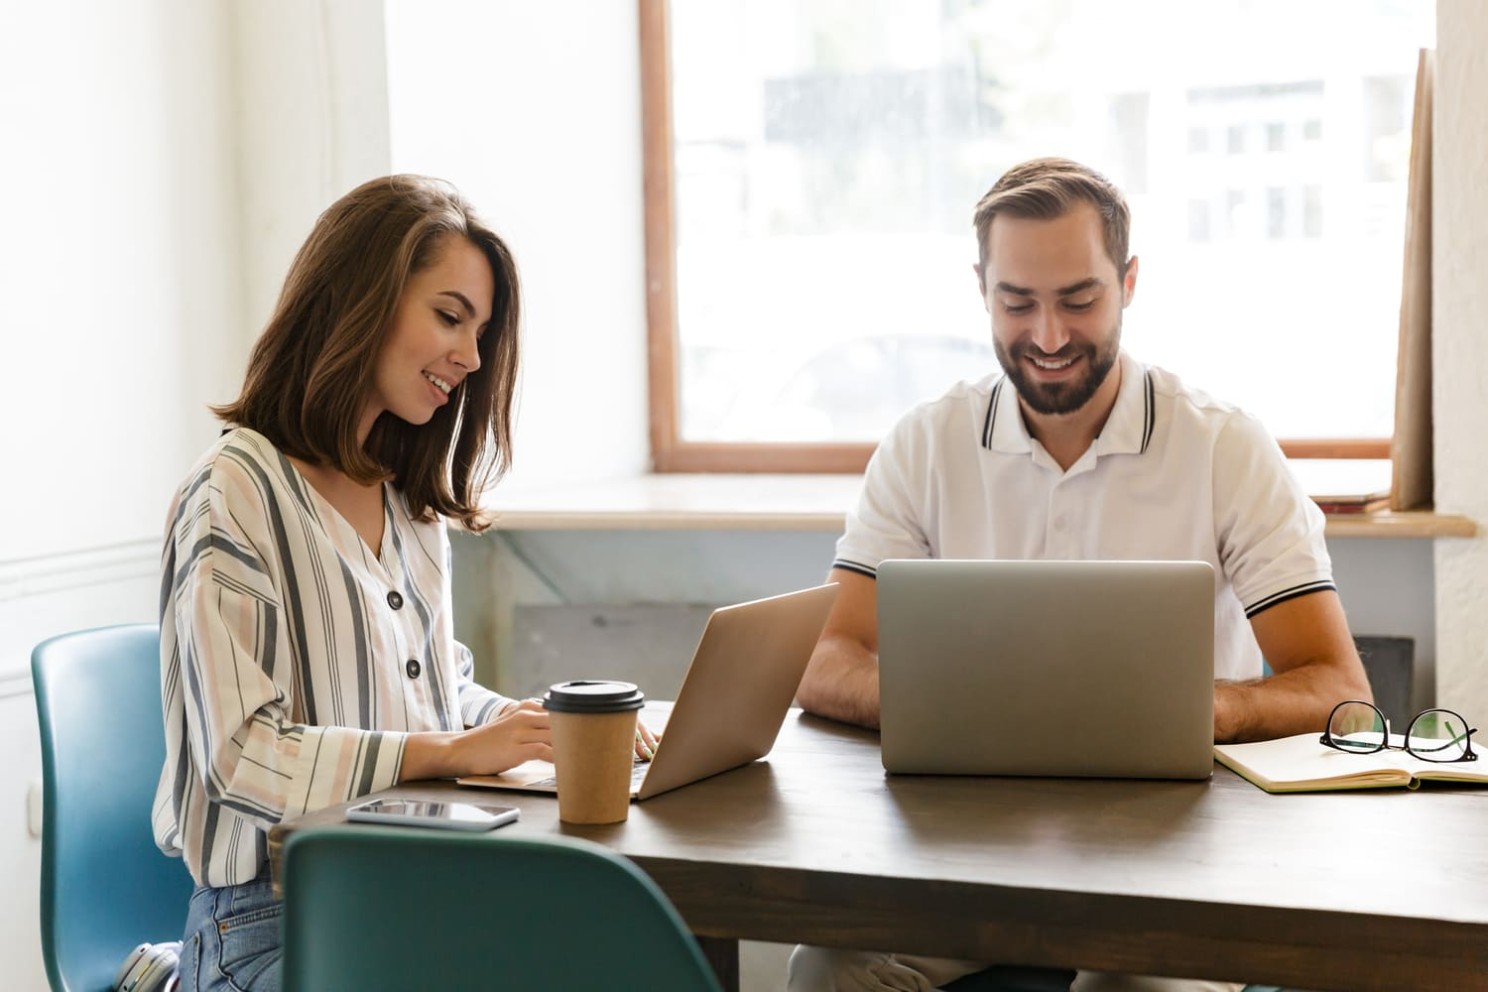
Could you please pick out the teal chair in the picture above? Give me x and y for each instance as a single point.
(105, 886)
(387, 909)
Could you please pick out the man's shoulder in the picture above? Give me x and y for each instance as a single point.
(1172, 386)
(1187, 402)
(1190, 420)
(944, 424)
(968, 398)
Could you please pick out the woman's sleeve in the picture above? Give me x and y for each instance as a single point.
(239, 674)
(478, 704)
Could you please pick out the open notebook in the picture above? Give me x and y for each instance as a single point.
(1301, 763)
(738, 689)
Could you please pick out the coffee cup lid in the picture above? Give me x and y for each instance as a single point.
(593, 696)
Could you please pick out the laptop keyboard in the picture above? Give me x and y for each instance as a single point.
(637, 772)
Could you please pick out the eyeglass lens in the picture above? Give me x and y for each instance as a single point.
(1438, 735)
(1357, 727)
(1435, 735)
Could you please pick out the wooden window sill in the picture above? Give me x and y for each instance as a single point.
(796, 503)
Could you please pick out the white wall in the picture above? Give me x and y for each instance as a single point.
(145, 143)
(119, 271)
(120, 241)
(310, 122)
(1459, 300)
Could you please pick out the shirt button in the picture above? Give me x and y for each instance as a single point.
(413, 668)
(395, 600)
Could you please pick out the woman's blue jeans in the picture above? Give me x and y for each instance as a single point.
(233, 940)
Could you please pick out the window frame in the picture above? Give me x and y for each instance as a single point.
(669, 451)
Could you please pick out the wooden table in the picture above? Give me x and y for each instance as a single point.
(1376, 891)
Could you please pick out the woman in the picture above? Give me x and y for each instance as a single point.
(307, 649)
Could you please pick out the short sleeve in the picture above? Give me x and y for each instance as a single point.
(887, 521)
(1268, 531)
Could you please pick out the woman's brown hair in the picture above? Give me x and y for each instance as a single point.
(312, 369)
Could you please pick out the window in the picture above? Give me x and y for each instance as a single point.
(813, 165)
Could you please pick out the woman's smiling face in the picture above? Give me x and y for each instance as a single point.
(433, 342)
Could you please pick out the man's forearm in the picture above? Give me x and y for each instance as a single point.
(1294, 702)
(841, 683)
(1308, 643)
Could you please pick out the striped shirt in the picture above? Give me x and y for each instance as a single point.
(1173, 475)
(294, 662)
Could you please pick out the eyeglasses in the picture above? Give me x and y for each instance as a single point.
(1434, 735)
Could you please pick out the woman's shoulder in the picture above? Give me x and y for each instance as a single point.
(224, 515)
(240, 460)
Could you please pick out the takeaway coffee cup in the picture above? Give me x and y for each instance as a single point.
(594, 728)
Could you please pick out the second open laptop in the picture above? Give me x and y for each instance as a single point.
(1063, 668)
(738, 689)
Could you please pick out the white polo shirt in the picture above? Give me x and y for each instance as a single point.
(1174, 475)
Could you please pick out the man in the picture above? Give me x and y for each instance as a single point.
(1078, 451)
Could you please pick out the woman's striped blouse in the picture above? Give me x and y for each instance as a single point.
(294, 662)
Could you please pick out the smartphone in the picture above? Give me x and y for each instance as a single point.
(423, 813)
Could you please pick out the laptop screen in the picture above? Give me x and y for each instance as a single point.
(1081, 668)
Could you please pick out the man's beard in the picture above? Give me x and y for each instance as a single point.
(1060, 397)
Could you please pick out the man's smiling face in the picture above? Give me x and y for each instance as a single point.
(1056, 300)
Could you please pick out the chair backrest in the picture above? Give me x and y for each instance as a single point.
(105, 886)
(1389, 663)
(387, 908)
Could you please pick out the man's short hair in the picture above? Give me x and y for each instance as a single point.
(1046, 188)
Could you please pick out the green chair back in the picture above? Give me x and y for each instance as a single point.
(379, 909)
(105, 886)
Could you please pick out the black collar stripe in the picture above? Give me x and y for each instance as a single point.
(991, 415)
(1148, 416)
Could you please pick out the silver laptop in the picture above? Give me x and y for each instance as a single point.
(728, 712)
(1082, 668)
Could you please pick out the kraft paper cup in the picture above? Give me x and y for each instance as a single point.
(594, 728)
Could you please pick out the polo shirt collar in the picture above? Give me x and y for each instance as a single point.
(1127, 431)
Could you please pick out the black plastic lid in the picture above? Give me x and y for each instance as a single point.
(588, 696)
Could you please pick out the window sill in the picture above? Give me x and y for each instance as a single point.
(1409, 523)
(796, 503)
(681, 502)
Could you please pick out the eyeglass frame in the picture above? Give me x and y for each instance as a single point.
(1468, 754)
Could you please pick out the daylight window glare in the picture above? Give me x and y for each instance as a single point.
(829, 153)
